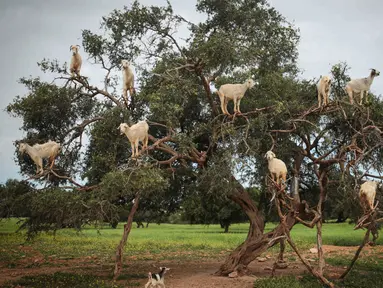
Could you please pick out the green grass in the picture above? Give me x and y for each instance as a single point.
(178, 241)
(353, 280)
(169, 242)
(287, 282)
(366, 264)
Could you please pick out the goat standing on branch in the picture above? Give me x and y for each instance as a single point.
(367, 194)
(323, 87)
(38, 152)
(75, 60)
(233, 92)
(135, 133)
(277, 168)
(128, 81)
(360, 85)
(157, 279)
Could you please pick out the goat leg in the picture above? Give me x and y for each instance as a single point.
(361, 97)
(125, 95)
(52, 160)
(223, 102)
(238, 106)
(235, 105)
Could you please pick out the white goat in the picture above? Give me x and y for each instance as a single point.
(75, 60)
(367, 194)
(157, 279)
(360, 85)
(323, 88)
(128, 80)
(135, 133)
(38, 152)
(233, 92)
(277, 167)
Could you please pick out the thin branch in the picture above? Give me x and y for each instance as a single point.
(364, 242)
(67, 178)
(93, 89)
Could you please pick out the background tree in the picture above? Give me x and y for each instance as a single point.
(14, 198)
(209, 206)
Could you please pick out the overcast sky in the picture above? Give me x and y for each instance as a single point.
(30, 30)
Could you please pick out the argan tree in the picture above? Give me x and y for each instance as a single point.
(192, 142)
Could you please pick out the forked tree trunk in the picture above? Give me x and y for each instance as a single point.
(257, 242)
(121, 246)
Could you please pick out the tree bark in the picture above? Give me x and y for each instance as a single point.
(256, 242)
(294, 189)
(323, 180)
(120, 247)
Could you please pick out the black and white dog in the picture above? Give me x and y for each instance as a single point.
(157, 279)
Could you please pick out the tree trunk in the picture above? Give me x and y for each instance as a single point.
(147, 224)
(226, 228)
(120, 247)
(256, 242)
(323, 180)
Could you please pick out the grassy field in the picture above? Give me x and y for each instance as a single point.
(167, 242)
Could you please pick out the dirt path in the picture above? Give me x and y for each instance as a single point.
(201, 275)
(182, 274)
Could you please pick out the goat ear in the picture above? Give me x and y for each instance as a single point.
(70, 47)
(78, 46)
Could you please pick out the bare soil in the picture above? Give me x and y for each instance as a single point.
(182, 274)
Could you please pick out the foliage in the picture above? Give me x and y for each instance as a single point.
(205, 206)
(169, 94)
(54, 208)
(15, 197)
